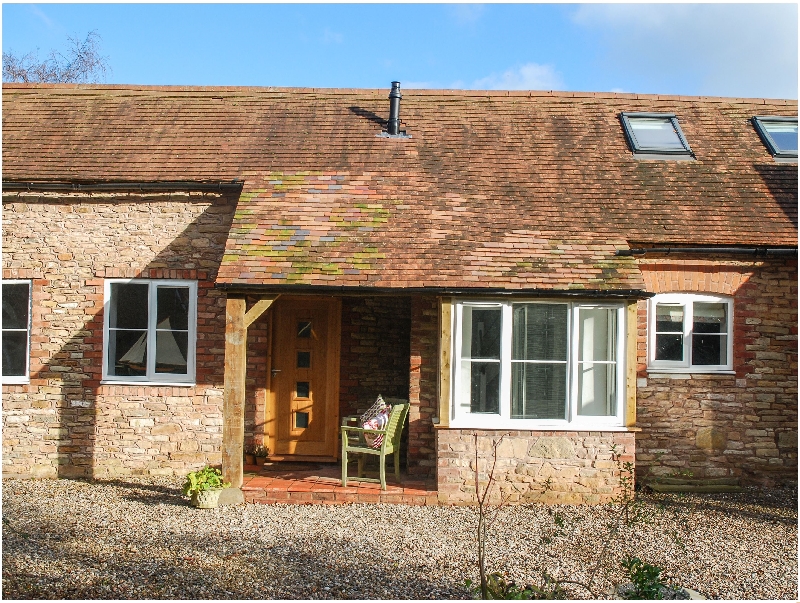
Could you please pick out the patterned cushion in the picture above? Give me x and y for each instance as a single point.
(379, 422)
(373, 410)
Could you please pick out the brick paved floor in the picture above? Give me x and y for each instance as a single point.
(318, 483)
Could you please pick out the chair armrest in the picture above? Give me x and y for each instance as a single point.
(350, 419)
(346, 429)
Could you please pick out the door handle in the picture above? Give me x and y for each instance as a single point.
(275, 372)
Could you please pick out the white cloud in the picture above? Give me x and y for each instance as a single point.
(530, 76)
(717, 49)
(332, 37)
(43, 16)
(466, 14)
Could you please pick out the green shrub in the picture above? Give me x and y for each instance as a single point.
(207, 478)
(646, 579)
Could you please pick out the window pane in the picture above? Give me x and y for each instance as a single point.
(538, 391)
(300, 420)
(303, 389)
(540, 332)
(669, 347)
(655, 133)
(482, 330)
(15, 352)
(127, 353)
(173, 308)
(783, 134)
(710, 318)
(709, 349)
(484, 386)
(597, 389)
(597, 334)
(171, 348)
(129, 306)
(15, 307)
(669, 319)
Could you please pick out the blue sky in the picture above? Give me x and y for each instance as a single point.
(745, 50)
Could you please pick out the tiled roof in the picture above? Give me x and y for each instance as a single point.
(494, 189)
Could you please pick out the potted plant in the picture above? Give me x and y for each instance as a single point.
(261, 452)
(204, 487)
(250, 455)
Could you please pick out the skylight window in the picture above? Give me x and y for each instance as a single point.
(655, 135)
(779, 134)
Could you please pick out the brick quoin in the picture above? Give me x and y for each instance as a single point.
(751, 417)
(423, 385)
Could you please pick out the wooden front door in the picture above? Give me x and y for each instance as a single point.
(304, 377)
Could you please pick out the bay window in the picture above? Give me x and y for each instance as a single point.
(149, 331)
(532, 364)
(690, 332)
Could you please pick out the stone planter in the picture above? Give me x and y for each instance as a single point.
(206, 499)
(249, 459)
(260, 460)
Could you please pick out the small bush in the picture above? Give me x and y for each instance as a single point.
(207, 478)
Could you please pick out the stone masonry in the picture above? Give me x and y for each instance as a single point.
(742, 425)
(580, 465)
(65, 422)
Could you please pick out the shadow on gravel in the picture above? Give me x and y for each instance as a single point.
(149, 494)
(55, 561)
(779, 506)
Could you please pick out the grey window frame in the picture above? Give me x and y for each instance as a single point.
(766, 138)
(655, 152)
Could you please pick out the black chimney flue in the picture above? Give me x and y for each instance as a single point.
(393, 127)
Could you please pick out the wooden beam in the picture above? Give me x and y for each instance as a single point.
(233, 396)
(445, 347)
(258, 309)
(631, 359)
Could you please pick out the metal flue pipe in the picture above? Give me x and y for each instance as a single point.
(393, 127)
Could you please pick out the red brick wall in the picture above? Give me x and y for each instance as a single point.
(742, 425)
(423, 386)
(64, 422)
(374, 350)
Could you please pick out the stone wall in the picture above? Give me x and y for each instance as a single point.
(742, 425)
(65, 422)
(580, 465)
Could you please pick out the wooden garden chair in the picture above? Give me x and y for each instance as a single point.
(353, 442)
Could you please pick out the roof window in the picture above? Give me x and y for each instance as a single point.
(655, 136)
(779, 134)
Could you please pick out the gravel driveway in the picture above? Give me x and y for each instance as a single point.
(137, 538)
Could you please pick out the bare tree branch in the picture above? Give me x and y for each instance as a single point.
(81, 63)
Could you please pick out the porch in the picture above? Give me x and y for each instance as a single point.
(320, 483)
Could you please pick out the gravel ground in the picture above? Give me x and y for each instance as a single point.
(138, 538)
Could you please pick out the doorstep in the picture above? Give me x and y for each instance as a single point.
(321, 484)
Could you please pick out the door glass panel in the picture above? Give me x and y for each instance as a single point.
(303, 359)
(303, 389)
(301, 420)
(304, 329)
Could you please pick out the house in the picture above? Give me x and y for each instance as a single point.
(189, 270)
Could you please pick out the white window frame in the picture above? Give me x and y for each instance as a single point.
(461, 418)
(21, 379)
(152, 377)
(687, 301)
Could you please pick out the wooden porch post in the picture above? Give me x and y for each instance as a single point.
(233, 397)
